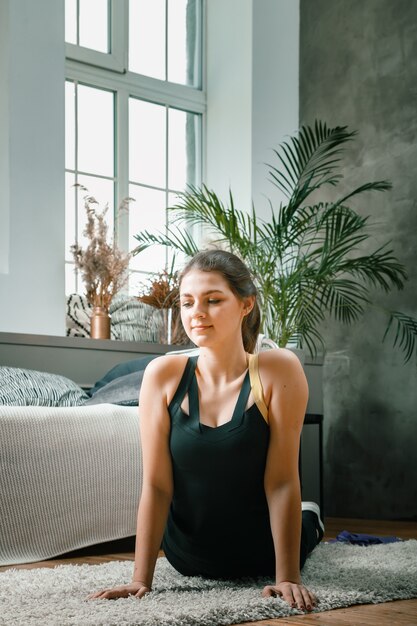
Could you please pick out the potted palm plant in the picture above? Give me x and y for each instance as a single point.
(308, 259)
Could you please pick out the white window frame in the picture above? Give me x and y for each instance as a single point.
(116, 59)
(110, 71)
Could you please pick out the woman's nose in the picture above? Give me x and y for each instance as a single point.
(199, 311)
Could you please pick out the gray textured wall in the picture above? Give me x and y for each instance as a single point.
(358, 66)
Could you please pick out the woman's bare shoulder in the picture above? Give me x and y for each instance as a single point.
(161, 378)
(280, 369)
(165, 368)
(279, 358)
(285, 385)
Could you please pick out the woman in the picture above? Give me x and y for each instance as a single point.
(220, 439)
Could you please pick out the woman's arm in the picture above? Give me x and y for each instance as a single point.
(157, 483)
(288, 395)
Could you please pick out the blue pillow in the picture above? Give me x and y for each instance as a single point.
(127, 367)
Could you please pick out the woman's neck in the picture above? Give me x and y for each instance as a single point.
(222, 366)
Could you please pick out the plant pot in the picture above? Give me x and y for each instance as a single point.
(166, 327)
(100, 323)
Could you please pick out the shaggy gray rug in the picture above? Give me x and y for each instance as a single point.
(340, 575)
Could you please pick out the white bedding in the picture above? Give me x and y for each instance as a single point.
(69, 477)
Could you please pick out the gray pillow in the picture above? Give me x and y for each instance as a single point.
(24, 387)
(123, 390)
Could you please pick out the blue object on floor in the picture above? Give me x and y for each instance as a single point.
(361, 539)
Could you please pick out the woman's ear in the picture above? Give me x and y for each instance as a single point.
(249, 303)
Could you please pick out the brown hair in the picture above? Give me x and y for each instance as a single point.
(239, 279)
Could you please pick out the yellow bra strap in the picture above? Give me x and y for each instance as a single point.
(256, 385)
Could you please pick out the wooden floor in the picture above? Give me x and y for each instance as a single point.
(399, 613)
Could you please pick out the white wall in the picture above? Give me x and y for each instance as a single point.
(4, 140)
(229, 99)
(252, 94)
(32, 290)
(275, 96)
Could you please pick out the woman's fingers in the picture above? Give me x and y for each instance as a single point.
(123, 591)
(289, 596)
(270, 591)
(310, 600)
(297, 596)
(142, 592)
(95, 596)
(108, 594)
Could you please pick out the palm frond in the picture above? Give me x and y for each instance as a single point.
(378, 185)
(173, 238)
(405, 329)
(344, 300)
(380, 268)
(308, 161)
(310, 338)
(341, 232)
(202, 206)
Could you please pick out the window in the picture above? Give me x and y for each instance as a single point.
(134, 108)
(165, 40)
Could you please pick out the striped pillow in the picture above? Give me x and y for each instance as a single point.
(23, 387)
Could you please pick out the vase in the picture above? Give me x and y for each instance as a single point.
(100, 323)
(166, 330)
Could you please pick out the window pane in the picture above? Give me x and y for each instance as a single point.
(69, 125)
(147, 143)
(95, 131)
(136, 281)
(70, 214)
(103, 191)
(147, 37)
(94, 24)
(71, 281)
(180, 257)
(71, 21)
(147, 213)
(183, 141)
(183, 42)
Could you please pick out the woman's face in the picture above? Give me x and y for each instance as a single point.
(210, 311)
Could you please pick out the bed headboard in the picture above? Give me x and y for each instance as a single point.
(81, 359)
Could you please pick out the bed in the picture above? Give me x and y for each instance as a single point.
(70, 477)
(70, 461)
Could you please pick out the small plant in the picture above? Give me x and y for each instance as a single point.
(103, 266)
(162, 292)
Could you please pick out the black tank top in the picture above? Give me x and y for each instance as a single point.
(218, 523)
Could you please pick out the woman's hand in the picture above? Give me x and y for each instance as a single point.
(295, 594)
(136, 589)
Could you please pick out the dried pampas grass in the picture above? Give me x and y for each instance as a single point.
(103, 266)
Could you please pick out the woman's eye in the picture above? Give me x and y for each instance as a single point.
(213, 301)
(186, 304)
